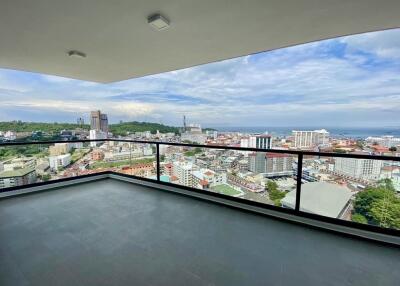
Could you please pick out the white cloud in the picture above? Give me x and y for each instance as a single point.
(307, 83)
(385, 44)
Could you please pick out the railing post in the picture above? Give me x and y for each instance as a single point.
(298, 181)
(158, 161)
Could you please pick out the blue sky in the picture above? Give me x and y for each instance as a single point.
(344, 82)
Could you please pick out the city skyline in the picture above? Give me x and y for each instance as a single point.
(329, 82)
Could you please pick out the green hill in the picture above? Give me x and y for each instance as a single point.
(55, 127)
(116, 129)
(135, 126)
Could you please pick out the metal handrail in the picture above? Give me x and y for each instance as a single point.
(222, 147)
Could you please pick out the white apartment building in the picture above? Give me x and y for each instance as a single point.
(210, 177)
(147, 150)
(244, 142)
(198, 138)
(193, 133)
(365, 169)
(278, 165)
(183, 171)
(56, 162)
(163, 149)
(307, 139)
(387, 141)
(263, 141)
(10, 135)
(96, 135)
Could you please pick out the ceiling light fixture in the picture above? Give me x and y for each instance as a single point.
(158, 22)
(76, 54)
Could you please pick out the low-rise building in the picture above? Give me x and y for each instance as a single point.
(17, 177)
(59, 161)
(140, 169)
(59, 149)
(97, 155)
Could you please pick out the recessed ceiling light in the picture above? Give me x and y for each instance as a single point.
(76, 54)
(158, 22)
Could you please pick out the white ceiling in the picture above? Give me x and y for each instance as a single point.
(36, 34)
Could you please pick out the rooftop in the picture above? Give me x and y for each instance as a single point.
(16, 172)
(320, 198)
(110, 232)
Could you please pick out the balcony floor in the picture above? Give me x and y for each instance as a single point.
(110, 232)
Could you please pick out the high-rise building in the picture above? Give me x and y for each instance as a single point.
(80, 121)
(257, 162)
(365, 169)
(278, 164)
(95, 120)
(263, 141)
(271, 164)
(308, 139)
(104, 123)
(98, 121)
(387, 141)
(183, 171)
(96, 135)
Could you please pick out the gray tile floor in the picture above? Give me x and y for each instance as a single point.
(114, 233)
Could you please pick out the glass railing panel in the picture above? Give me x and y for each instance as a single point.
(35, 163)
(354, 189)
(124, 157)
(256, 176)
(136, 159)
(23, 164)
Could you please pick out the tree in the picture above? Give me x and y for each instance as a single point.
(274, 194)
(360, 144)
(271, 185)
(386, 213)
(378, 205)
(365, 199)
(193, 152)
(359, 218)
(393, 149)
(46, 177)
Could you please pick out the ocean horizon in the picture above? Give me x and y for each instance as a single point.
(337, 132)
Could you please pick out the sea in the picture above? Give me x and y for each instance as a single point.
(336, 132)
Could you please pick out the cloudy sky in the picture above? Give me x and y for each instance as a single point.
(345, 82)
